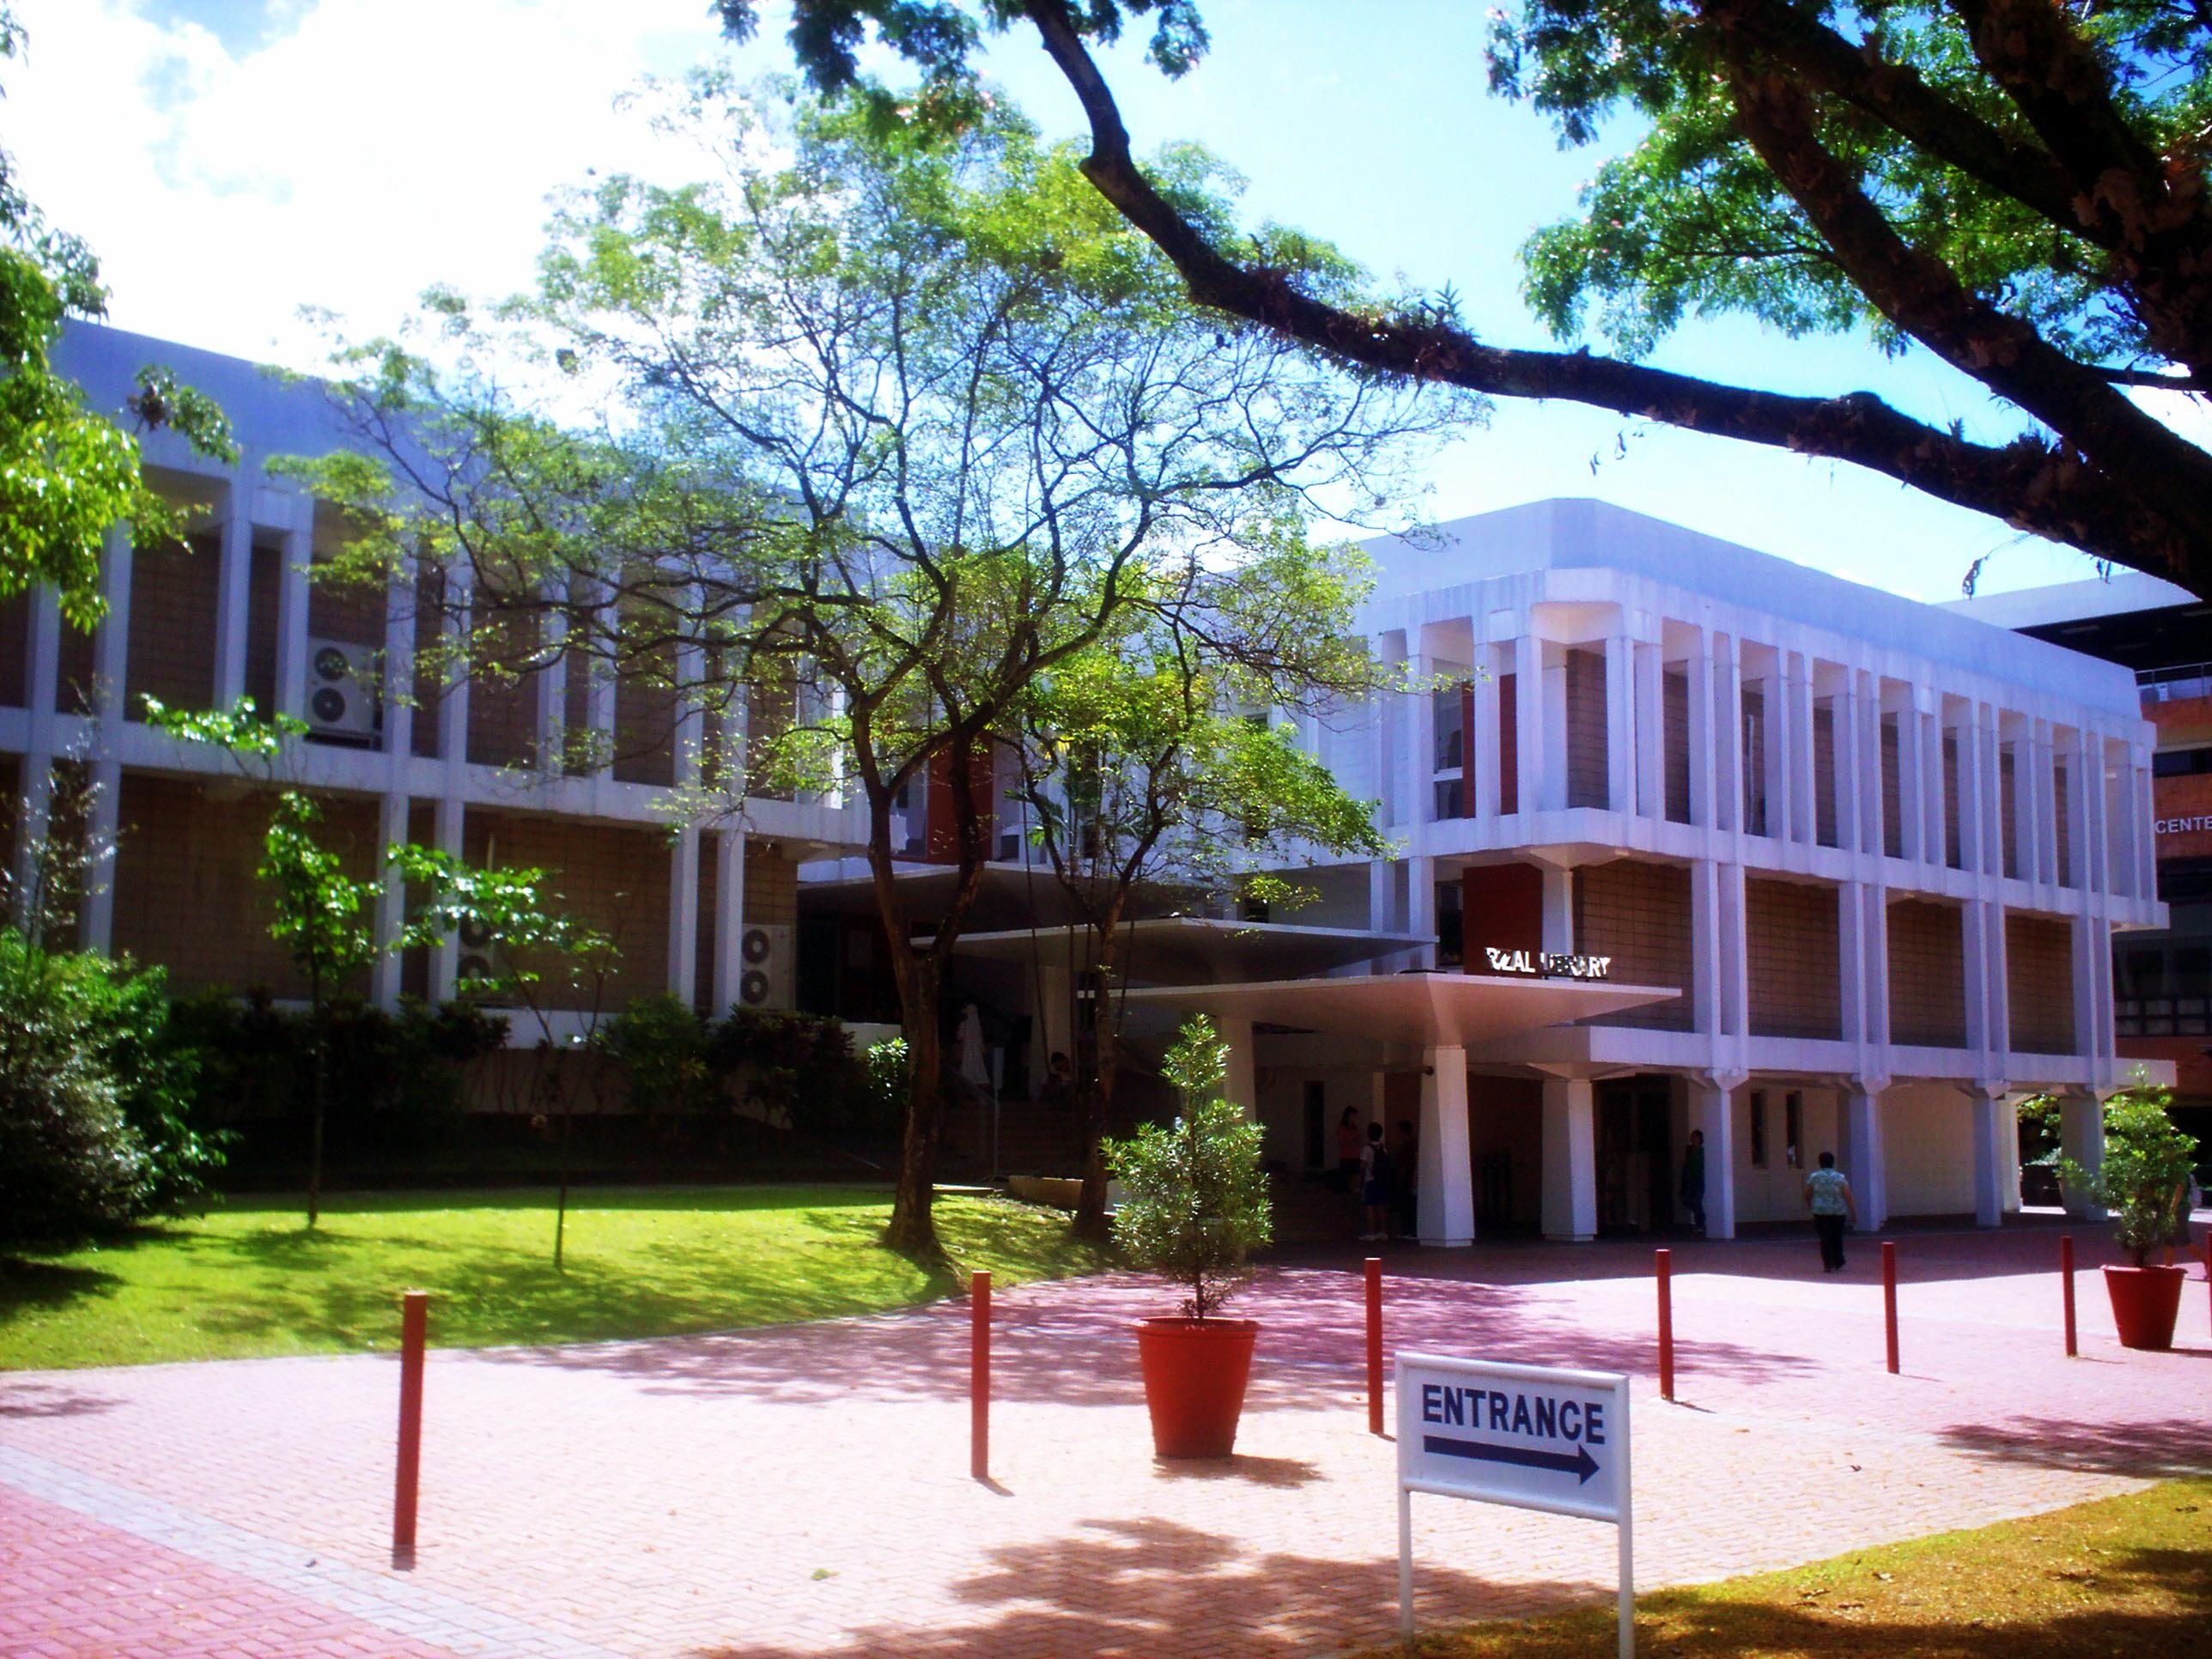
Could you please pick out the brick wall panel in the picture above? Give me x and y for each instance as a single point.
(171, 653)
(613, 878)
(1927, 974)
(1637, 912)
(1794, 959)
(1588, 784)
(2039, 974)
(1676, 697)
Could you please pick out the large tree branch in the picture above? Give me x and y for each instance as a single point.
(2028, 483)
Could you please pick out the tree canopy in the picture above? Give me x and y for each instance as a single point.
(2016, 185)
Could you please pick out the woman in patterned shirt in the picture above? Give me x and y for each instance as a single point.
(1828, 1192)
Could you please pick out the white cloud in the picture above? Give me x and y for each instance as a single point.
(375, 147)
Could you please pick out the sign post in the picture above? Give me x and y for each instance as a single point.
(1535, 1437)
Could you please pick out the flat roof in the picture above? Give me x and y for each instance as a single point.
(1431, 1010)
(1202, 950)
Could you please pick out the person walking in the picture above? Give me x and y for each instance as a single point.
(1375, 1186)
(1693, 1180)
(1828, 1194)
(1349, 1144)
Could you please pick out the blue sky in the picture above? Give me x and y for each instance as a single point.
(233, 160)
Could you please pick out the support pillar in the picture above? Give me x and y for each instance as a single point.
(234, 588)
(1990, 1105)
(1569, 1209)
(730, 924)
(1620, 733)
(2082, 1139)
(390, 905)
(1447, 1172)
(446, 958)
(1242, 1084)
(683, 915)
(1858, 1121)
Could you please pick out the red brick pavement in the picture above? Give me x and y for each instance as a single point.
(804, 1490)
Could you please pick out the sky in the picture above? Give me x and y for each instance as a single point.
(233, 162)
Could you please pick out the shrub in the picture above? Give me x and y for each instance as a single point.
(69, 1161)
(2146, 1164)
(799, 1069)
(1195, 1202)
(661, 1046)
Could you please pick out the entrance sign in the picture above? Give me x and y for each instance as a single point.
(1535, 1437)
(1548, 964)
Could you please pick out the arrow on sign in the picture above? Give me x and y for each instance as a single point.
(1579, 1463)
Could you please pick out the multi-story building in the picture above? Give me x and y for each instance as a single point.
(1688, 840)
(480, 768)
(2162, 978)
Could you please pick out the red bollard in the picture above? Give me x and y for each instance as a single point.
(1374, 1345)
(414, 1327)
(1666, 1275)
(1889, 1299)
(979, 1375)
(2066, 1273)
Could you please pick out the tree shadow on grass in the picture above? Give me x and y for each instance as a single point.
(2175, 1445)
(42, 1285)
(1116, 1590)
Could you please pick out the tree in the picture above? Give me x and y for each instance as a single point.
(1149, 774)
(509, 905)
(325, 918)
(67, 475)
(2144, 1171)
(886, 426)
(2016, 185)
(1197, 1204)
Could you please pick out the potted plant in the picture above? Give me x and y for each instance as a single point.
(1193, 1207)
(2146, 1166)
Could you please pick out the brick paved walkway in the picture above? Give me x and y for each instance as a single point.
(804, 1490)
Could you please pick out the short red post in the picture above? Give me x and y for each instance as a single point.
(979, 1375)
(1889, 1299)
(2066, 1273)
(1374, 1345)
(1666, 1277)
(414, 1327)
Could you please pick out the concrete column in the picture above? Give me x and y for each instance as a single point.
(1712, 1110)
(1702, 759)
(1804, 792)
(1242, 1084)
(2045, 811)
(296, 561)
(111, 656)
(34, 769)
(1858, 1123)
(1728, 732)
(1843, 760)
(730, 925)
(234, 588)
(1447, 1172)
(1935, 813)
(102, 827)
(1990, 1105)
(446, 957)
(2081, 1138)
(1620, 733)
(1651, 731)
(453, 705)
(1706, 950)
(1421, 908)
(111, 644)
(1530, 701)
(1911, 782)
(1873, 827)
(683, 915)
(391, 905)
(1781, 749)
(1559, 923)
(1483, 740)
(1967, 735)
(397, 690)
(549, 719)
(1734, 952)
(1419, 759)
(1570, 1209)
(2144, 847)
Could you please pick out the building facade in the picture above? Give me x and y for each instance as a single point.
(481, 768)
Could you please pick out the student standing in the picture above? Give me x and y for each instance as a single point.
(1828, 1194)
(1693, 1180)
(1349, 1147)
(1375, 1185)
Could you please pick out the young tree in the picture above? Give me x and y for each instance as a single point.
(1149, 775)
(67, 474)
(325, 918)
(2016, 185)
(543, 953)
(889, 425)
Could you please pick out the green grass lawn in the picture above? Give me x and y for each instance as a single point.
(2124, 1577)
(249, 1278)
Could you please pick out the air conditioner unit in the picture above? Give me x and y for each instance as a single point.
(483, 964)
(341, 694)
(764, 974)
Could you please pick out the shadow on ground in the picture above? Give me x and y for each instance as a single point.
(2174, 1446)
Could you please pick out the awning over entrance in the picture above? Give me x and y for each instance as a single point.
(1430, 1009)
(1201, 950)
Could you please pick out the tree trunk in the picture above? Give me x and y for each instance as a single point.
(1098, 1098)
(913, 1229)
(315, 1109)
(561, 1206)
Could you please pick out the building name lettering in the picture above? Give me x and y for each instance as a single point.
(1548, 964)
(2201, 821)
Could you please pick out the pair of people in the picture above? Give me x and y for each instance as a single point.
(1828, 1195)
(1386, 1180)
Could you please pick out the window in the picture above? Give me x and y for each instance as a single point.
(1451, 936)
(1793, 1129)
(1758, 1130)
(2180, 762)
(1448, 707)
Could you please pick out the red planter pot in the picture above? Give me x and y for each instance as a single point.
(1195, 1375)
(2145, 1302)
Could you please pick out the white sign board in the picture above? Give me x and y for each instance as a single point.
(1535, 1437)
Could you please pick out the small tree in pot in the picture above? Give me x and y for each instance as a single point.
(1195, 1208)
(2144, 1172)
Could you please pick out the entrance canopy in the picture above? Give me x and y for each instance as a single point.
(1202, 950)
(1429, 1010)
